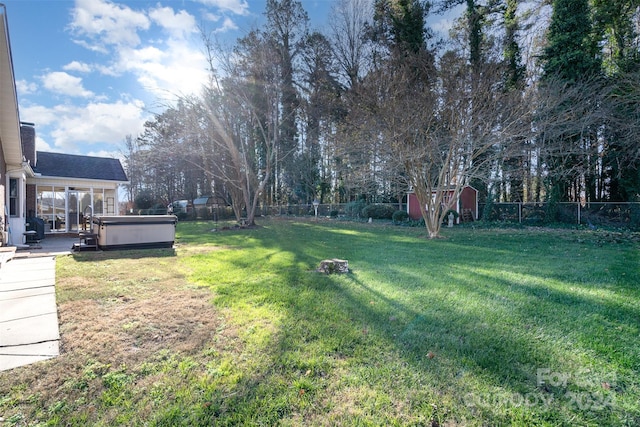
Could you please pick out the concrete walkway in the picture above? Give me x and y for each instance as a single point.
(50, 245)
(28, 311)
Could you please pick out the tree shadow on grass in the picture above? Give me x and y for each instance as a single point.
(86, 256)
(344, 333)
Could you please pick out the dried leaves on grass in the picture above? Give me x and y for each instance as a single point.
(126, 331)
(123, 317)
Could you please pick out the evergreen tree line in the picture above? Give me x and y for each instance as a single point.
(526, 101)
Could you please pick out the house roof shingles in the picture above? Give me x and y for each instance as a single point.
(74, 166)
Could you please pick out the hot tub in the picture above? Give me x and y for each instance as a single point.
(134, 232)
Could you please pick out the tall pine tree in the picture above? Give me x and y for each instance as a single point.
(572, 50)
(287, 29)
(616, 22)
(515, 160)
(571, 58)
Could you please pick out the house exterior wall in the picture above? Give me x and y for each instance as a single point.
(28, 141)
(72, 182)
(17, 225)
(31, 200)
(3, 178)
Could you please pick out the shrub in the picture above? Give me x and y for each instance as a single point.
(400, 216)
(144, 200)
(378, 211)
(354, 209)
(634, 216)
(417, 223)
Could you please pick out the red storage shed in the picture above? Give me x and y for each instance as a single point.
(467, 205)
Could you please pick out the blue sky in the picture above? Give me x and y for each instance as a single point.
(91, 72)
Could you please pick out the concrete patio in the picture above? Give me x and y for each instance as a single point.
(28, 312)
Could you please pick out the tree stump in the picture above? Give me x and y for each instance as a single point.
(330, 266)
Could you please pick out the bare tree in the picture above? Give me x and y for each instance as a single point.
(439, 129)
(320, 109)
(574, 120)
(167, 166)
(285, 31)
(349, 21)
(241, 110)
(132, 166)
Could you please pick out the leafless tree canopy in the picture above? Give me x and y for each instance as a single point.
(378, 106)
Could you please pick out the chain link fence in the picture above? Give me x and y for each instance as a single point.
(597, 214)
(600, 214)
(345, 210)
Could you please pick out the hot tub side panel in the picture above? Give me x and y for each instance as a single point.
(128, 232)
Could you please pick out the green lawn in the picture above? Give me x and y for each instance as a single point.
(482, 327)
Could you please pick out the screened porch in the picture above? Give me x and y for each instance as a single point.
(69, 209)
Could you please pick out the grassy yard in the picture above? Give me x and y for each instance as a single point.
(483, 327)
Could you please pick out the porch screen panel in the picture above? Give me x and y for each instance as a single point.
(98, 198)
(60, 212)
(45, 205)
(85, 208)
(110, 197)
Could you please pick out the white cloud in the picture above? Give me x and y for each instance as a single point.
(108, 70)
(65, 84)
(176, 69)
(145, 54)
(42, 117)
(96, 123)
(154, 49)
(106, 23)
(163, 66)
(177, 24)
(72, 128)
(91, 46)
(25, 88)
(239, 7)
(209, 16)
(227, 25)
(81, 67)
(42, 145)
(38, 114)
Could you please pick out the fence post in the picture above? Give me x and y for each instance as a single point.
(578, 213)
(519, 212)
